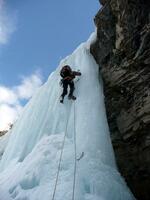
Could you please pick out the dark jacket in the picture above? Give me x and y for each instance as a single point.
(67, 74)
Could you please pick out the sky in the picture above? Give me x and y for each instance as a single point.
(34, 36)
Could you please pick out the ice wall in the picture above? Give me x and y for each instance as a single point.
(29, 164)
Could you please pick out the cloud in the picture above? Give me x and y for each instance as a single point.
(7, 96)
(7, 23)
(8, 115)
(10, 98)
(28, 86)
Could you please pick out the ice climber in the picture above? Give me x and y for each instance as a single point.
(67, 80)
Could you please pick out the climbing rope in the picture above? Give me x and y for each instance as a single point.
(75, 155)
(60, 159)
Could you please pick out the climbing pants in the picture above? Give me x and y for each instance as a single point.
(65, 84)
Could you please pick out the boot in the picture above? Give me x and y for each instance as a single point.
(72, 97)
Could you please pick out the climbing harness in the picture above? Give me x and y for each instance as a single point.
(61, 80)
(75, 157)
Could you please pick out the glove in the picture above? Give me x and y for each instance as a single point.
(77, 73)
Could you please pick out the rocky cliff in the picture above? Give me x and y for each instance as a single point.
(122, 51)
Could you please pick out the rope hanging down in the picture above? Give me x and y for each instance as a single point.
(75, 158)
(75, 155)
(62, 149)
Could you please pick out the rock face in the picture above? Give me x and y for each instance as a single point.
(3, 133)
(122, 51)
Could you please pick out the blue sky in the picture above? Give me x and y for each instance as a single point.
(46, 31)
(34, 36)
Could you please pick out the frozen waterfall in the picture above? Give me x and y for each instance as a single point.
(29, 165)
